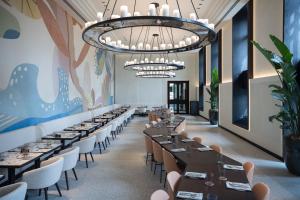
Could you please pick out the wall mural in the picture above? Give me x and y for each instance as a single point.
(51, 72)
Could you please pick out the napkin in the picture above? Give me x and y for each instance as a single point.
(195, 175)
(178, 150)
(187, 140)
(175, 134)
(165, 142)
(233, 167)
(155, 136)
(204, 149)
(189, 195)
(238, 186)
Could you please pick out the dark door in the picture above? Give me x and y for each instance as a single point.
(178, 96)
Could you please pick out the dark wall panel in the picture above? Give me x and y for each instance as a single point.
(202, 77)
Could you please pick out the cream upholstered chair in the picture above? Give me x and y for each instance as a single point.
(101, 135)
(149, 149)
(159, 195)
(147, 126)
(249, 169)
(158, 119)
(153, 122)
(13, 191)
(86, 146)
(170, 163)
(47, 175)
(184, 135)
(70, 156)
(108, 132)
(172, 178)
(157, 157)
(114, 128)
(198, 140)
(261, 191)
(216, 148)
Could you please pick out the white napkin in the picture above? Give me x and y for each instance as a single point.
(204, 149)
(178, 150)
(195, 175)
(165, 142)
(155, 136)
(175, 134)
(238, 186)
(187, 140)
(189, 195)
(233, 167)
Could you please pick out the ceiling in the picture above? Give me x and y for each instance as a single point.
(213, 10)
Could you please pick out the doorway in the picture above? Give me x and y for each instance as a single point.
(178, 96)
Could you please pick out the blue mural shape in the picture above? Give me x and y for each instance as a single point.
(21, 105)
(9, 25)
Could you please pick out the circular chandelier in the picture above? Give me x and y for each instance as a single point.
(155, 74)
(130, 33)
(159, 62)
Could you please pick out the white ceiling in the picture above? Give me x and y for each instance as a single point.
(213, 10)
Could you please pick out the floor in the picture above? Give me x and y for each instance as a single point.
(120, 172)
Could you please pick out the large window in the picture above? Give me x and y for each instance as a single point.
(216, 54)
(202, 77)
(241, 65)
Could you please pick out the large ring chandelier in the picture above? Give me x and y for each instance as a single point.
(155, 74)
(130, 33)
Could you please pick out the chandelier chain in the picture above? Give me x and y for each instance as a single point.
(112, 12)
(195, 9)
(178, 8)
(106, 8)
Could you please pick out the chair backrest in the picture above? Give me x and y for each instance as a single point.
(70, 156)
(101, 134)
(109, 127)
(172, 179)
(158, 119)
(261, 191)
(147, 126)
(157, 152)
(198, 140)
(159, 195)
(170, 162)
(45, 176)
(114, 124)
(216, 148)
(184, 134)
(148, 144)
(249, 169)
(13, 191)
(86, 145)
(153, 122)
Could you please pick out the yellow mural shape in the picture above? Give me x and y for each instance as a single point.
(27, 7)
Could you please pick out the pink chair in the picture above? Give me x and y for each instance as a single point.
(198, 140)
(184, 135)
(216, 148)
(172, 178)
(170, 163)
(249, 169)
(159, 195)
(261, 191)
(157, 157)
(149, 149)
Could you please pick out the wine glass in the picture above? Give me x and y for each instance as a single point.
(221, 170)
(210, 178)
(220, 159)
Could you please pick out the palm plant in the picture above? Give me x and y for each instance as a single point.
(288, 93)
(214, 89)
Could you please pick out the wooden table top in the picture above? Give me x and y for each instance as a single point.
(39, 147)
(194, 160)
(17, 159)
(64, 135)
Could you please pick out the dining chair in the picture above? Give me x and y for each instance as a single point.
(249, 169)
(170, 163)
(108, 132)
(47, 175)
(158, 158)
(172, 179)
(153, 122)
(114, 128)
(261, 191)
(216, 148)
(158, 119)
(149, 149)
(159, 195)
(184, 135)
(13, 191)
(70, 156)
(101, 137)
(147, 126)
(198, 140)
(86, 146)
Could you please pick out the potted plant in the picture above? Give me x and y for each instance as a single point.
(214, 97)
(288, 93)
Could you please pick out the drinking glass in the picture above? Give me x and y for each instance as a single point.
(221, 170)
(211, 196)
(220, 158)
(209, 181)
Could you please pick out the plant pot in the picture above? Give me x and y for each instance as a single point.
(292, 155)
(213, 117)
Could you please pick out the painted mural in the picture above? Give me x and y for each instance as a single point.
(49, 72)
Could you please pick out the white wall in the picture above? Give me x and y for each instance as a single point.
(267, 20)
(132, 90)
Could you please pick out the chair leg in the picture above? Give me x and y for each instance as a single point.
(147, 158)
(46, 193)
(99, 147)
(58, 190)
(165, 179)
(67, 180)
(79, 156)
(108, 140)
(92, 156)
(112, 135)
(154, 168)
(161, 172)
(103, 145)
(74, 172)
(86, 161)
(26, 196)
(40, 192)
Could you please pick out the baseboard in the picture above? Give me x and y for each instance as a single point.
(254, 144)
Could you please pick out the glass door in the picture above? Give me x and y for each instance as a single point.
(178, 96)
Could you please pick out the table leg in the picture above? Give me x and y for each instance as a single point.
(11, 175)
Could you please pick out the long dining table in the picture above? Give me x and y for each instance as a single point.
(194, 160)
